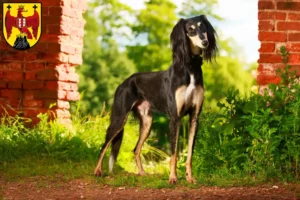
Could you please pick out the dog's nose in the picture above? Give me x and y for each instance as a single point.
(205, 43)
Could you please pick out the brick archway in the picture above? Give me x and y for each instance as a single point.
(33, 79)
(279, 25)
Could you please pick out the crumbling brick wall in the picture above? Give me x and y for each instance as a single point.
(31, 80)
(279, 25)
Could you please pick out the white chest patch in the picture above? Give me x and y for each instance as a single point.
(189, 90)
(187, 96)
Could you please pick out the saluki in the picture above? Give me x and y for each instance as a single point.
(176, 92)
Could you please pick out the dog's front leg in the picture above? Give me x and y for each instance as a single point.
(191, 144)
(174, 134)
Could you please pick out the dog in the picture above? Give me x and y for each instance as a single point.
(175, 92)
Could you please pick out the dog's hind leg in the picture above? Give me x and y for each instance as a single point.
(145, 118)
(121, 107)
(174, 134)
(113, 132)
(115, 147)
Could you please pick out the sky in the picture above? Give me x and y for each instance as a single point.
(240, 23)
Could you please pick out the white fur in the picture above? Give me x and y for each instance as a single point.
(111, 163)
(189, 90)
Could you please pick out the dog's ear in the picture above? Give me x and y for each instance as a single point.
(211, 50)
(179, 43)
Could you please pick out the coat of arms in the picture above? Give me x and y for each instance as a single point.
(22, 24)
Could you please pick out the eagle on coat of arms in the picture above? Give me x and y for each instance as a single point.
(27, 26)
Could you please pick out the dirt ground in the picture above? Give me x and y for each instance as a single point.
(41, 188)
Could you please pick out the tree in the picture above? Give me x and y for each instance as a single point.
(104, 66)
(152, 30)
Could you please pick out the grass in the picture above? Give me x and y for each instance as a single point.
(55, 170)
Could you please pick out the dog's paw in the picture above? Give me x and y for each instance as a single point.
(173, 180)
(98, 172)
(142, 173)
(191, 180)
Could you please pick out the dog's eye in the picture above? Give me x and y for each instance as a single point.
(191, 31)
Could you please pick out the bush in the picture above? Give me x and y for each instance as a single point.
(259, 134)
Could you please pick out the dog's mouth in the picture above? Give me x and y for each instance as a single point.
(197, 42)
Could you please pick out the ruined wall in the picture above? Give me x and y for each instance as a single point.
(279, 25)
(31, 80)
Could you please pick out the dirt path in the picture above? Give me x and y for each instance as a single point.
(40, 188)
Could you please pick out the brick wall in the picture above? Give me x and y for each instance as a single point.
(279, 25)
(31, 80)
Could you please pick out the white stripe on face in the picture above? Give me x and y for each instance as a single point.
(197, 41)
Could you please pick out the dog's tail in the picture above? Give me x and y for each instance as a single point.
(115, 148)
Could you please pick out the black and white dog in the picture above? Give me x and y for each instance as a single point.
(175, 92)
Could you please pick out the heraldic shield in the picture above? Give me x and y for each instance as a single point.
(22, 24)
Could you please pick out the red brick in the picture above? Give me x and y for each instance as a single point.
(72, 96)
(264, 5)
(70, 77)
(14, 103)
(56, 104)
(15, 84)
(16, 66)
(49, 74)
(75, 59)
(266, 79)
(31, 56)
(69, 12)
(266, 25)
(30, 94)
(33, 112)
(267, 47)
(272, 36)
(12, 56)
(31, 66)
(14, 94)
(33, 84)
(294, 37)
(54, 47)
(11, 75)
(55, 11)
(45, 11)
(68, 48)
(55, 57)
(49, 38)
(285, 26)
(51, 94)
(263, 15)
(293, 47)
(52, 3)
(33, 103)
(288, 6)
(269, 58)
(57, 85)
(30, 75)
(3, 84)
(294, 16)
(294, 59)
(62, 113)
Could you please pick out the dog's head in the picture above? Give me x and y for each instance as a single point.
(193, 36)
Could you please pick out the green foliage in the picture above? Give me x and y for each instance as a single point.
(258, 135)
(104, 66)
(153, 27)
